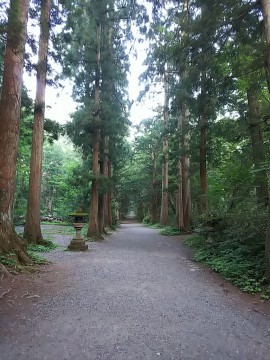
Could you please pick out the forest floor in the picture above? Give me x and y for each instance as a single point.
(136, 295)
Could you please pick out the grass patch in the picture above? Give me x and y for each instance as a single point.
(9, 260)
(47, 246)
(241, 263)
(154, 226)
(62, 223)
(37, 259)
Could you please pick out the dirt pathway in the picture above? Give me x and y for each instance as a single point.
(137, 295)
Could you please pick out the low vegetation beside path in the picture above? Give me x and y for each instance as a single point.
(235, 252)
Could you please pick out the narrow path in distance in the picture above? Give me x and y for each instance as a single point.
(136, 295)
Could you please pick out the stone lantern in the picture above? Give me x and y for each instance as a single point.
(78, 243)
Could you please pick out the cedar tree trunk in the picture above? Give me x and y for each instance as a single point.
(261, 180)
(32, 230)
(266, 17)
(154, 200)
(10, 105)
(186, 199)
(165, 165)
(109, 196)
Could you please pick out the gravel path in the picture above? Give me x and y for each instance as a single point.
(136, 295)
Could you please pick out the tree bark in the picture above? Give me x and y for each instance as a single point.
(10, 104)
(165, 165)
(179, 197)
(261, 180)
(32, 230)
(203, 126)
(154, 201)
(105, 173)
(109, 196)
(185, 161)
(266, 17)
(93, 227)
(102, 201)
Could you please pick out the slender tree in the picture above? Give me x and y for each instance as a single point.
(32, 230)
(93, 227)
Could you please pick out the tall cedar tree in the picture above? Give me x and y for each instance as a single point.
(10, 105)
(93, 227)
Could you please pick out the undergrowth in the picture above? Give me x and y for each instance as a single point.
(47, 246)
(241, 263)
(154, 226)
(37, 259)
(170, 231)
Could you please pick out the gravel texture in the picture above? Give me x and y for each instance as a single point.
(136, 295)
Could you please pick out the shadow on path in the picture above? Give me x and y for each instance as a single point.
(136, 295)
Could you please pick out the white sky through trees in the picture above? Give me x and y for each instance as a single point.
(59, 101)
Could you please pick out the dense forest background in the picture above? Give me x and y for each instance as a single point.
(200, 164)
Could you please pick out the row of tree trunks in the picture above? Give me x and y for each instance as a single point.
(32, 229)
(185, 164)
(165, 164)
(203, 128)
(10, 105)
(266, 15)
(258, 154)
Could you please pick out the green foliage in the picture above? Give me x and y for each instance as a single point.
(47, 246)
(170, 231)
(37, 259)
(155, 226)
(237, 261)
(9, 260)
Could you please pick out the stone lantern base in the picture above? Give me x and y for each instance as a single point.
(78, 243)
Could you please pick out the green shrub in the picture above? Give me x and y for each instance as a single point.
(237, 261)
(170, 231)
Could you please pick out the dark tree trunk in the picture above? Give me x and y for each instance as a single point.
(179, 197)
(109, 196)
(32, 230)
(101, 202)
(203, 127)
(186, 199)
(93, 227)
(154, 200)
(10, 105)
(266, 17)
(261, 180)
(165, 164)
